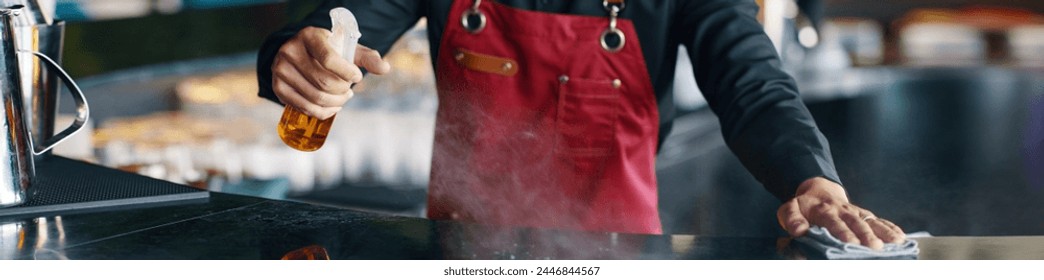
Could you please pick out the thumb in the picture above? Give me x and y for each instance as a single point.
(791, 219)
(371, 60)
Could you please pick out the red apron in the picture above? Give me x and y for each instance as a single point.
(541, 125)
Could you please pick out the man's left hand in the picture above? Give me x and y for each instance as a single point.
(822, 202)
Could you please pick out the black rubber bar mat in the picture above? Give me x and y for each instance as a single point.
(65, 186)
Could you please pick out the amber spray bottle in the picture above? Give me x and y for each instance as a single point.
(306, 133)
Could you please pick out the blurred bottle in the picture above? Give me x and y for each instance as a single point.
(313, 252)
(306, 133)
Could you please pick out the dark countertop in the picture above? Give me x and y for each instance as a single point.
(238, 227)
(950, 151)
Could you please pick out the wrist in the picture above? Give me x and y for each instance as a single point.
(823, 188)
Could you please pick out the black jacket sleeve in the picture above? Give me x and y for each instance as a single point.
(763, 120)
(381, 22)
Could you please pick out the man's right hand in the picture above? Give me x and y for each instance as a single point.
(313, 77)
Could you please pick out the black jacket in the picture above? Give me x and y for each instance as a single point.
(762, 117)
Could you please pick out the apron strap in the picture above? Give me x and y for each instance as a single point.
(612, 39)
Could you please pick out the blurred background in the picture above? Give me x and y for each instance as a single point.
(933, 109)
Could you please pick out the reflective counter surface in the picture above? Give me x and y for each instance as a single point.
(950, 151)
(237, 227)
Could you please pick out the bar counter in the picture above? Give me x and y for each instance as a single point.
(229, 226)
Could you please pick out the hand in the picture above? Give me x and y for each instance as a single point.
(822, 202)
(311, 76)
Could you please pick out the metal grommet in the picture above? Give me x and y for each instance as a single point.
(563, 79)
(466, 22)
(612, 32)
(609, 7)
(618, 40)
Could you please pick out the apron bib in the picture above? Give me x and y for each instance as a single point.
(544, 120)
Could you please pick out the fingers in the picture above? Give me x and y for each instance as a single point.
(829, 215)
(301, 85)
(293, 89)
(845, 221)
(839, 229)
(323, 54)
(371, 60)
(310, 53)
(791, 219)
(861, 229)
(887, 231)
(308, 75)
(290, 96)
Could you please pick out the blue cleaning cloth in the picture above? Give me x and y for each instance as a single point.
(820, 240)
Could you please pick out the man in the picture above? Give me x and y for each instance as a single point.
(551, 112)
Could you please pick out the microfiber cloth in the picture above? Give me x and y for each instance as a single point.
(820, 240)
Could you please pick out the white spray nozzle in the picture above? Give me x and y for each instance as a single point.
(345, 33)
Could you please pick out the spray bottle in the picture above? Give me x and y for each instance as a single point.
(306, 133)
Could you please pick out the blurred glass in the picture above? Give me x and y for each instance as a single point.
(863, 39)
(942, 44)
(972, 35)
(1026, 45)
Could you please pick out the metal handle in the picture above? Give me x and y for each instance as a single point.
(82, 110)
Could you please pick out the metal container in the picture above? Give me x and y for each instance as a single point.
(36, 32)
(16, 144)
(40, 87)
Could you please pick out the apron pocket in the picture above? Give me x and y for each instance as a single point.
(587, 113)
